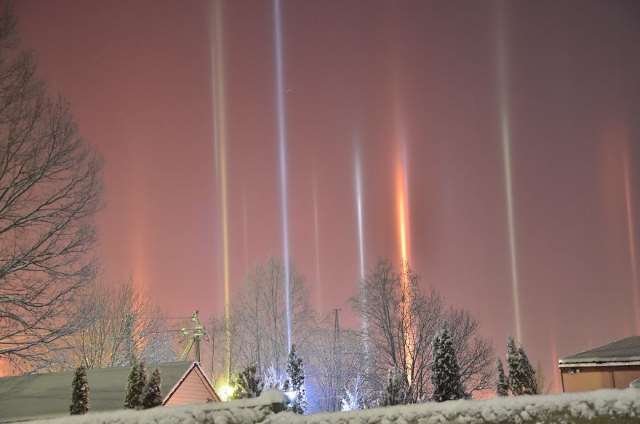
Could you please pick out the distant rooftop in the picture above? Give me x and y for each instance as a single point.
(48, 395)
(621, 351)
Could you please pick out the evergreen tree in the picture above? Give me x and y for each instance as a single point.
(152, 394)
(80, 394)
(513, 363)
(445, 372)
(502, 388)
(135, 386)
(248, 384)
(295, 383)
(529, 381)
(395, 392)
(522, 377)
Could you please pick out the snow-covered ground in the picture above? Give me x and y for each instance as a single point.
(603, 406)
(235, 412)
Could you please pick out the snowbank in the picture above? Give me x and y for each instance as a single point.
(233, 412)
(603, 406)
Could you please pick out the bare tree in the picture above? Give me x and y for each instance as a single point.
(334, 364)
(258, 320)
(402, 322)
(49, 191)
(121, 328)
(474, 353)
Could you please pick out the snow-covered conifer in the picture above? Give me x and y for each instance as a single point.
(513, 363)
(248, 384)
(295, 382)
(502, 386)
(529, 381)
(152, 395)
(522, 377)
(80, 394)
(445, 372)
(135, 386)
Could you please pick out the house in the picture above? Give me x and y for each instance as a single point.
(614, 365)
(33, 396)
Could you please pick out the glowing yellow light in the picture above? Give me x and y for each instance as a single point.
(225, 392)
(402, 209)
(220, 137)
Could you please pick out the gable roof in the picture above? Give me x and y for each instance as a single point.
(46, 395)
(195, 367)
(620, 352)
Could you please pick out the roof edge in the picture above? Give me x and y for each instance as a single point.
(572, 360)
(178, 383)
(598, 364)
(204, 374)
(194, 365)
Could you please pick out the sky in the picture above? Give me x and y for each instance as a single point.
(442, 102)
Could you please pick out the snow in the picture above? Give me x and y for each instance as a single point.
(272, 396)
(607, 406)
(610, 406)
(233, 412)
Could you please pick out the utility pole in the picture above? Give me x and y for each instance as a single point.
(193, 336)
(213, 345)
(336, 358)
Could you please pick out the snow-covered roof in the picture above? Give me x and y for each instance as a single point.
(49, 395)
(623, 352)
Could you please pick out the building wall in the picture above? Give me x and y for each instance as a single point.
(594, 378)
(192, 390)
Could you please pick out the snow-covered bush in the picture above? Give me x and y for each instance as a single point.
(246, 411)
(601, 407)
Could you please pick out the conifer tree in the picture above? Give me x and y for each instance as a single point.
(295, 382)
(502, 387)
(445, 372)
(522, 377)
(135, 386)
(395, 390)
(529, 381)
(248, 384)
(152, 394)
(80, 394)
(513, 363)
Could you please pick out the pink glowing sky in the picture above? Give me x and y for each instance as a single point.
(138, 76)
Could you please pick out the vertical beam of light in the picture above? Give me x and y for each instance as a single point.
(359, 212)
(557, 385)
(245, 231)
(505, 135)
(633, 259)
(360, 220)
(401, 189)
(316, 239)
(220, 141)
(402, 211)
(282, 150)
